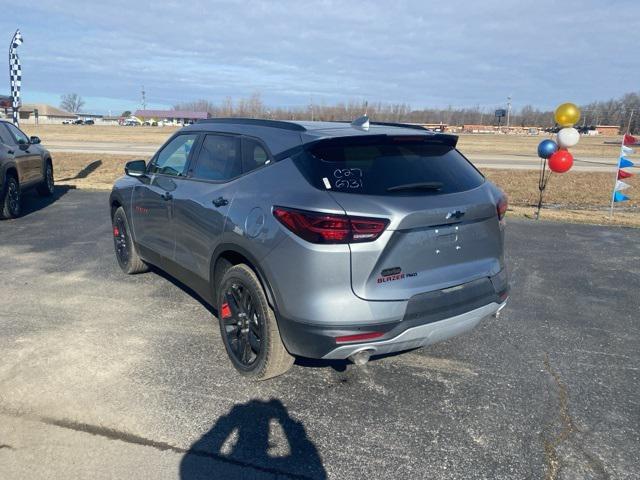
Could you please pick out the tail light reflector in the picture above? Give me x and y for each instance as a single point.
(316, 227)
(360, 337)
(502, 206)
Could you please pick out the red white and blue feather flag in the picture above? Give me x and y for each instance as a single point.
(628, 141)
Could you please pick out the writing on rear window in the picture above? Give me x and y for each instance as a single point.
(348, 177)
(383, 165)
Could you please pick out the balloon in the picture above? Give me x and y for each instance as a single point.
(568, 137)
(561, 161)
(567, 115)
(546, 148)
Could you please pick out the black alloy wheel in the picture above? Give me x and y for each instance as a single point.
(248, 325)
(120, 240)
(126, 253)
(49, 179)
(13, 196)
(47, 187)
(243, 324)
(10, 200)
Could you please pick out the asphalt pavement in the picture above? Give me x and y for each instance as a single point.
(104, 375)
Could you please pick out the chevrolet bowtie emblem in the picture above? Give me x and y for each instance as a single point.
(457, 214)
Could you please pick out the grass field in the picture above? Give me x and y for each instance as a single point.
(99, 133)
(597, 147)
(574, 196)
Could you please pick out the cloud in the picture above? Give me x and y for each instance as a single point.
(423, 53)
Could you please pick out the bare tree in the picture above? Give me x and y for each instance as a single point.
(71, 102)
(623, 111)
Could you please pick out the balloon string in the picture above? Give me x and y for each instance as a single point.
(543, 179)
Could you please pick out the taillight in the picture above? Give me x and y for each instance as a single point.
(318, 227)
(502, 206)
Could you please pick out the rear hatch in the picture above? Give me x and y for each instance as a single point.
(444, 229)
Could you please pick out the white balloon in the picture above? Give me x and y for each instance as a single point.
(568, 137)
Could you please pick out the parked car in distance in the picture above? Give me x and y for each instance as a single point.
(67, 122)
(24, 164)
(317, 239)
(79, 121)
(89, 122)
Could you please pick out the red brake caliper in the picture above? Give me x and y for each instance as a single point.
(116, 231)
(226, 310)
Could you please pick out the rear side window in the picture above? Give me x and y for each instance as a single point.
(219, 158)
(385, 165)
(254, 155)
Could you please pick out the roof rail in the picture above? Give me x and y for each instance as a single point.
(258, 122)
(403, 125)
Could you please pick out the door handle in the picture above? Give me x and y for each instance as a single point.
(11, 152)
(220, 202)
(166, 196)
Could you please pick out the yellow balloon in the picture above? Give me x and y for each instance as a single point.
(567, 115)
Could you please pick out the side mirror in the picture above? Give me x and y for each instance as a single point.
(136, 168)
(34, 140)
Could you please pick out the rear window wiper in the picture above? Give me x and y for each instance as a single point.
(416, 186)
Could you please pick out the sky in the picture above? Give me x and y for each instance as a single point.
(421, 52)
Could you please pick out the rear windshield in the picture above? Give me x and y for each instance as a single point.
(384, 165)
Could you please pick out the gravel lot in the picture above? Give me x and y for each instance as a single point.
(111, 376)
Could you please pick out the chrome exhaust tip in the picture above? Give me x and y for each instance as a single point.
(361, 357)
(502, 305)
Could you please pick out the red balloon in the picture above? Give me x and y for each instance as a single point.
(561, 161)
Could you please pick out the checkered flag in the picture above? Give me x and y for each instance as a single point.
(15, 73)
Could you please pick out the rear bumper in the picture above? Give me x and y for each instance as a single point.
(420, 336)
(426, 318)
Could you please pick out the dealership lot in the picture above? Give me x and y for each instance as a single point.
(111, 376)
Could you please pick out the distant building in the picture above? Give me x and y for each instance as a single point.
(170, 116)
(436, 127)
(5, 101)
(608, 130)
(110, 120)
(477, 128)
(46, 114)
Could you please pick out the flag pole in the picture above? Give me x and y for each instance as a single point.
(615, 181)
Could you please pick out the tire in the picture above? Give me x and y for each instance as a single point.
(47, 188)
(248, 326)
(10, 200)
(126, 254)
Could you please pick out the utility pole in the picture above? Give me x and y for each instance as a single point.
(144, 99)
(508, 111)
(629, 124)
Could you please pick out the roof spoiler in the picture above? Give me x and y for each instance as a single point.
(403, 125)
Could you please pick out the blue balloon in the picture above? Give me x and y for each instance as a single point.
(546, 148)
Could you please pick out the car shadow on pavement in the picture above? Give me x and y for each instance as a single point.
(256, 440)
(189, 291)
(84, 173)
(32, 202)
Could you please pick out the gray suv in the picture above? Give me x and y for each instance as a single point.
(317, 239)
(24, 164)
